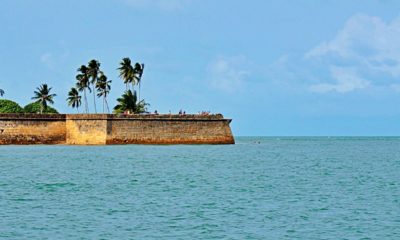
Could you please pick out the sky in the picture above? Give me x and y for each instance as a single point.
(277, 68)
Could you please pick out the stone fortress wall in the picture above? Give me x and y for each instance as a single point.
(99, 129)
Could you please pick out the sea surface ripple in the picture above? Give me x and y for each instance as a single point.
(260, 188)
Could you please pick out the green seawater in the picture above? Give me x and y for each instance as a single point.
(260, 188)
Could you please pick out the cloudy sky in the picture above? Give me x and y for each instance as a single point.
(279, 67)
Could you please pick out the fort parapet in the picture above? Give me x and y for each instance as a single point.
(97, 129)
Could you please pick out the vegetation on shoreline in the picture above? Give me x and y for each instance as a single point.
(89, 79)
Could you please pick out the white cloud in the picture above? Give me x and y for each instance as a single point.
(368, 46)
(347, 80)
(168, 5)
(46, 58)
(52, 60)
(228, 74)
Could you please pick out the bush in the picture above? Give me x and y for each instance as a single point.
(8, 106)
(35, 108)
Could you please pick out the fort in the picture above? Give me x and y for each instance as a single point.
(101, 129)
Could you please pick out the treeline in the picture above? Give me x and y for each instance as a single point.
(8, 106)
(90, 79)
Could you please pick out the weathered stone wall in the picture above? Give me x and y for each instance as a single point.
(95, 129)
(32, 129)
(85, 129)
(169, 129)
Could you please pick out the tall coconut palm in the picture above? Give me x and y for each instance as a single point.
(83, 83)
(94, 72)
(138, 70)
(1, 92)
(74, 99)
(43, 96)
(103, 89)
(126, 72)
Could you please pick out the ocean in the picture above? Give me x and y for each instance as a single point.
(259, 188)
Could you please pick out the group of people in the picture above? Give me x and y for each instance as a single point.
(204, 113)
(182, 112)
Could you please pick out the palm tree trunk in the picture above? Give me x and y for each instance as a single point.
(86, 104)
(94, 99)
(139, 91)
(108, 110)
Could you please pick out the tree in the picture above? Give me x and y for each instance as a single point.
(35, 108)
(43, 96)
(8, 106)
(1, 92)
(74, 99)
(138, 70)
(93, 72)
(126, 72)
(103, 88)
(128, 103)
(83, 83)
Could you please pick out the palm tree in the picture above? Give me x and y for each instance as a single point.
(141, 107)
(1, 92)
(138, 70)
(43, 96)
(83, 83)
(126, 72)
(74, 99)
(127, 102)
(103, 89)
(93, 72)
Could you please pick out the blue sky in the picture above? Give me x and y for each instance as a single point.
(275, 67)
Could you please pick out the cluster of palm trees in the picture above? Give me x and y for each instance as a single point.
(90, 78)
(131, 75)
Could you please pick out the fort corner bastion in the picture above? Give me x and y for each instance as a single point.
(99, 129)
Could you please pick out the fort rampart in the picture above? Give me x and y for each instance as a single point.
(97, 129)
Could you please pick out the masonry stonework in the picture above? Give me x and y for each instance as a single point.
(95, 129)
(32, 129)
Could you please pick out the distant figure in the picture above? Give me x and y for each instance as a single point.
(169, 112)
(180, 112)
(155, 112)
(184, 112)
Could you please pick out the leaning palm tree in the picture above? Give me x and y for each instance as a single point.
(43, 96)
(93, 72)
(74, 99)
(138, 70)
(1, 92)
(83, 83)
(103, 88)
(126, 72)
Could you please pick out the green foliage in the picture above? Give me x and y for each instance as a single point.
(35, 108)
(8, 106)
(128, 102)
(74, 99)
(42, 95)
